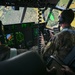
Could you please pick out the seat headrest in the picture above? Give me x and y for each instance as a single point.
(27, 63)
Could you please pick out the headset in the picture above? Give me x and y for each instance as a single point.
(64, 19)
(61, 20)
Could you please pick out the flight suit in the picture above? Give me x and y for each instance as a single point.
(60, 45)
(64, 40)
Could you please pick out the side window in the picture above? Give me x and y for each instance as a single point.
(52, 18)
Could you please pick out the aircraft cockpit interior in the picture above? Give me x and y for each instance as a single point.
(26, 28)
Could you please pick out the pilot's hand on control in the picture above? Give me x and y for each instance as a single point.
(67, 70)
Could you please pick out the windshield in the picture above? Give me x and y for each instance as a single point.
(8, 15)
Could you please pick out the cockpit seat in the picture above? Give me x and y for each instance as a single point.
(27, 63)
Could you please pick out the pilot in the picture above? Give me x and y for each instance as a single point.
(64, 41)
(4, 52)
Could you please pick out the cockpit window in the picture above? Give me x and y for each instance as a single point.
(12, 15)
(8, 15)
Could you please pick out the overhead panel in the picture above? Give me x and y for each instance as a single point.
(29, 3)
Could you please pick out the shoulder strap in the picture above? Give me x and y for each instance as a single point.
(13, 52)
(70, 57)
